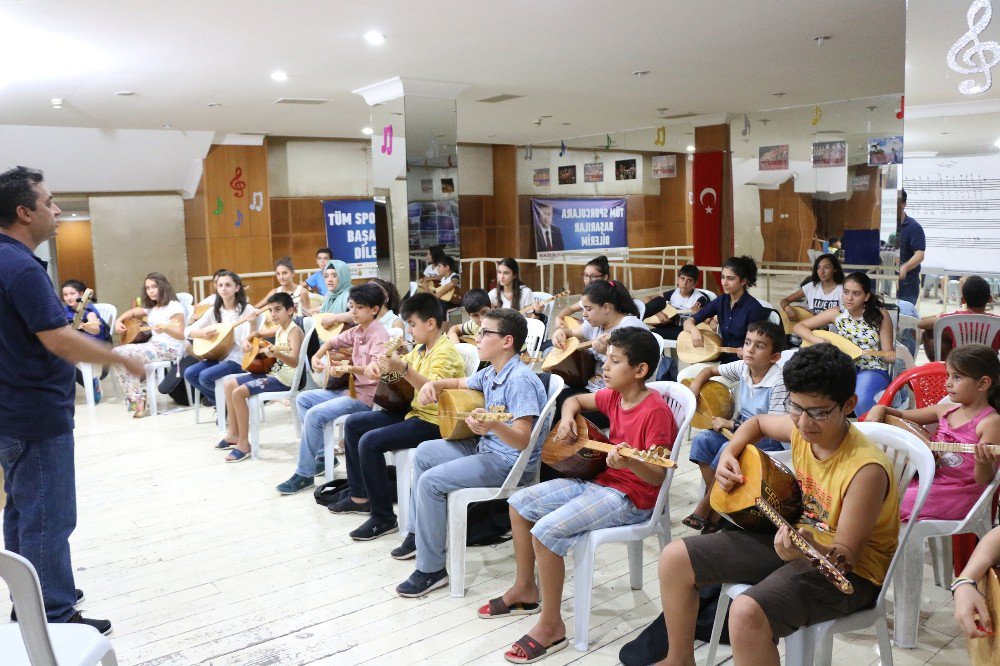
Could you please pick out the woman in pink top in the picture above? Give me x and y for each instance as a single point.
(320, 407)
(973, 386)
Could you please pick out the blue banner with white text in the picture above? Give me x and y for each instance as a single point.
(350, 233)
(579, 224)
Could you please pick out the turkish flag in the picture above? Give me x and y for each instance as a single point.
(707, 181)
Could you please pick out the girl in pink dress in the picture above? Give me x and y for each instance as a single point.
(973, 386)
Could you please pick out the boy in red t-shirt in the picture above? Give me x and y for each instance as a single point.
(549, 519)
(976, 296)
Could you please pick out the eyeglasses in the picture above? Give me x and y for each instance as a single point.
(483, 332)
(591, 276)
(814, 413)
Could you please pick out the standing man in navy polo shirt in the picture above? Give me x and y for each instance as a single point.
(911, 253)
(38, 351)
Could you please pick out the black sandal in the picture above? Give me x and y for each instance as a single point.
(694, 521)
(712, 528)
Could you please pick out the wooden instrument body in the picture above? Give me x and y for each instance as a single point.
(453, 401)
(219, 345)
(254, 359)
(529, 308)
(133, 332)
(200, 310)
(846, 346)
(572, 324)
(767, 478)
(664, 316)
(324, 333)
(715, 400)
(709, 351)
(800, 314)
(986, 651)
(574, 364)
(909, 426)
(573, 459)
(393, 393)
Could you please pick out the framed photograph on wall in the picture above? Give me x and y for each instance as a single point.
(625, 170)
(541, 177)
(593, 172)
(885, 150)
(829, 154)
(664, 166)
(567, 175)
(448, 185)
(772, 158)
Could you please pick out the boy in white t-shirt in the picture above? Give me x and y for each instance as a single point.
(686, 300)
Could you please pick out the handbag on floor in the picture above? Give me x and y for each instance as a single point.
(651, 645)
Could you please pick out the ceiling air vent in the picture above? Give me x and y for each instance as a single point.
(299, 100)
(678, 116)
(500, 98)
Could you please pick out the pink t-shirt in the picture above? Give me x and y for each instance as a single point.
(954, 489)
(648, 424)
(364, 344)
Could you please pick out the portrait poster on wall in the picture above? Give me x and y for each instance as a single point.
(664, 166)
(350, 233)
(625, 170)
(579, 224)
(772, 158)
(593, 172)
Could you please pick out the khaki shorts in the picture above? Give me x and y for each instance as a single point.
(791, 594)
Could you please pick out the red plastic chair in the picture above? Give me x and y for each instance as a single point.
(926, 381)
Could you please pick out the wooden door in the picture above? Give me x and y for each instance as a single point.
(75, 252)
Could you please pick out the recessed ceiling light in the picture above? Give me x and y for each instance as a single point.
(213, 104)
(640, 73)
(279, 76)
(690, 149)
(779, 94)
(57, 103)
(374, 37)
(124, 93)
(822, 39)
(367, 130)
(167, 126)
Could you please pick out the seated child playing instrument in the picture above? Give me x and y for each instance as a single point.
(975, 296)
(685, 299)
(761, 390)
(851, 512)
(477, 303)
(550, 518)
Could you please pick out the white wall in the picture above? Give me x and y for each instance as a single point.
(134, 235)
(414, 190)
(309, 168)
(475, 169)
(549, 157)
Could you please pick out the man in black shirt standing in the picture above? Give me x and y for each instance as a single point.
(38, 351)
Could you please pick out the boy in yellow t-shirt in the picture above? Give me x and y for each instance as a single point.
(850, 509)
(368, 435)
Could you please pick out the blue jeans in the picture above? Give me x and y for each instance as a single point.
(367, 438)
(707, 446)
(869, 383)
(909, 289)
(204, 374)
(317, 408)
(441, 466)
(40, 481)
(909, 337)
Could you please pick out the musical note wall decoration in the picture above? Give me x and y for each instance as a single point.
(387, 139)
(976, 57)
(817, 115)
(239, 218)
(661, 136)
(237, 183)
(562, 149)
(257, 201)
(219, 207)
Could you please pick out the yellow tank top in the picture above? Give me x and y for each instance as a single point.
(824, 484)
(283, 373)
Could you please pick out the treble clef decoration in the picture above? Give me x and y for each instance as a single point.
(978, 57)
(237, 183)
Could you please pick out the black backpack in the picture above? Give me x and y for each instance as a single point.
(651, 645)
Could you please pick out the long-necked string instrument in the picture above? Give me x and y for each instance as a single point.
(80, 310)
(528, 308)
(586, 457)
(134, 329)
(455, 405)
(710, 350)
(393, 393)
(800, 314)
(254, 359)
(985, 651)
(938, 447)
(771, 497)
(715, 400)
(572, 324)
(665, 315)
(571, 363)
(221, 343)
(848, 347)
(324, 332)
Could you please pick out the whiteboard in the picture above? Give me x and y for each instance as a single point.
(957, 202)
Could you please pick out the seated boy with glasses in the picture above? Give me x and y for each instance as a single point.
(850, 509)
(441, 466)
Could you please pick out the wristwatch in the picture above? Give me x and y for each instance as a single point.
(958, 582)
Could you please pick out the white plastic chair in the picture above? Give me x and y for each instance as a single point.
(772, 315)
(536, 335)
(470, 355)
(109, 314)
(187, 300)
(966, 328)
(256, 403)
(459, 500)
(708, 292)
(909, 582)
(33, 641)
(683, 404)
(220, 404)
(640, 306)
(908, 456)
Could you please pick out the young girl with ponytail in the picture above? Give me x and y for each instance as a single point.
(973, 386)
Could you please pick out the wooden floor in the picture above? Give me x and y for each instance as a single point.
(196, 561)
(200, 562)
